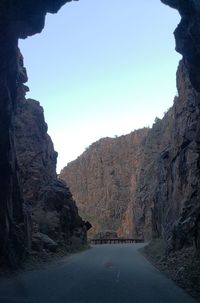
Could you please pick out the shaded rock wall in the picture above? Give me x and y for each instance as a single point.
(18, 18)
(169, 185)
(48, 202)
(103, 180)
(187, 36)
(12, 221)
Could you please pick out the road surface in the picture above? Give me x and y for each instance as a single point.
(103, 274)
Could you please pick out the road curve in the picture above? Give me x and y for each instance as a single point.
(103, 274)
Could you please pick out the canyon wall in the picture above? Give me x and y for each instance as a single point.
(187, 36)
(168, 189)
(103, 181)
(53, 215)
(165, 200)
(146, 184)
(19, 19)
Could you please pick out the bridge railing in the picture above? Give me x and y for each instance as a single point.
(115, 241)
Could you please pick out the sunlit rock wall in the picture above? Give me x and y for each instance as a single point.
(103, 180)
(146, 184)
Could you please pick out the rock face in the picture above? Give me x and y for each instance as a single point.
(146, 184)
(103, 181)
(48, 202)
(18, 18)
(168, 190)
(187, 36)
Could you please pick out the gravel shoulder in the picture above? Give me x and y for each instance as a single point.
(182, 266)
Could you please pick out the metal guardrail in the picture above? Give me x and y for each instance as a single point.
(115, 241)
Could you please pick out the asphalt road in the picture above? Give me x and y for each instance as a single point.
(103, 274)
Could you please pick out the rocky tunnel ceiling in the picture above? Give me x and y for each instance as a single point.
(26, 18)
(187, 36)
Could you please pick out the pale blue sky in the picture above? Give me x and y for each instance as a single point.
(102, 68)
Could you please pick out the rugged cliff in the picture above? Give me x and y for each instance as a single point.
(103, 181)
(146, 183)
(52, 213)
(187, 36)
(168, 189)
(19, 19)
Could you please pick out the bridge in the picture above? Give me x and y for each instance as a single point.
(115, 241)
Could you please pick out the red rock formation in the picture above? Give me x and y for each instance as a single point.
(146, 184)
(103, 180)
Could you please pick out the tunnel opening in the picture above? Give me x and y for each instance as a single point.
(21, 26)
(101, 73)
(110, 63)
(121, 69)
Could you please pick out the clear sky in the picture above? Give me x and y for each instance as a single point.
(102, 68)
